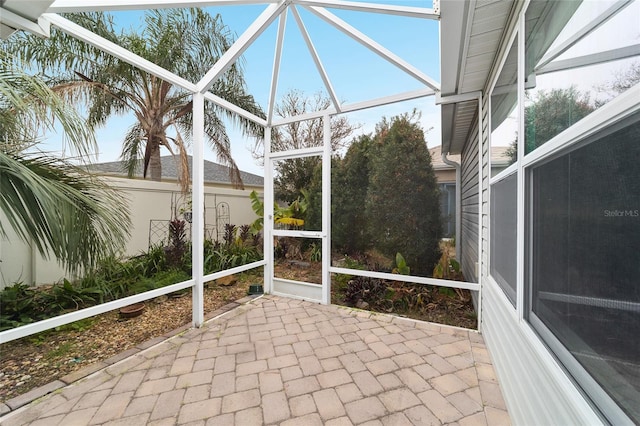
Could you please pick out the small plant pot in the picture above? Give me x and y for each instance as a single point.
(256, 289)
(132, 311)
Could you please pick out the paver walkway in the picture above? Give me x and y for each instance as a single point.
(289, 362)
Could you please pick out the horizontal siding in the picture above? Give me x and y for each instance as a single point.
(469, 208)
(536, 389)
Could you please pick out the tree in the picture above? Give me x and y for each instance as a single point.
(55, 206)
(552, 112)
(403, 201)
(623, 80)
(349, 193)
(296, 174)
(548, 114)
(187, 42)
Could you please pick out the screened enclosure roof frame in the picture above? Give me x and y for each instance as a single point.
(37, 17)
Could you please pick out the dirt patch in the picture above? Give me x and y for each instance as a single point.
(42, 358)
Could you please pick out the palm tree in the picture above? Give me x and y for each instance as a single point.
(186, 42)
(55, 206)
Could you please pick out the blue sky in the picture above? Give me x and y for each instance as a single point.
(356, 73)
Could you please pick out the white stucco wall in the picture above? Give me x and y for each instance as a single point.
(147, 201)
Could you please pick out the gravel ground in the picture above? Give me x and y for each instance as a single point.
(39, 359)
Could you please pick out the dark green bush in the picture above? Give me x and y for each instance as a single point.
(403, 200)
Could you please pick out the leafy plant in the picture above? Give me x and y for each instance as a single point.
(366, 289)
(177, 242)
(17, 303)
(67, 296)
(401, 266)
(315, 252)
(244, 233)
(229, 234)
(292, 216)
(448, 268)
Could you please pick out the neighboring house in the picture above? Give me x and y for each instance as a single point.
(152, 205)
(446, 177)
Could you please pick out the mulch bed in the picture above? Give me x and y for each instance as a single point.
(40, 359)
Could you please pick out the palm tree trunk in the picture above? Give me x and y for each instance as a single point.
(155, 166)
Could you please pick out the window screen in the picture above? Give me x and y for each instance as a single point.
(503, 234)
(585, 253)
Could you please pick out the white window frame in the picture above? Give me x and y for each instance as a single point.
(619, 109)
(512, 168)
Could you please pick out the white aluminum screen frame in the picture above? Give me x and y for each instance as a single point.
(275, 9)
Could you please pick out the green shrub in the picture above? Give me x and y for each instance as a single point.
(403, 200)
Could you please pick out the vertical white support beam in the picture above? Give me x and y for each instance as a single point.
(480, 207)
(520, 225)
(267, 229)
(326, 210)
(197, 198)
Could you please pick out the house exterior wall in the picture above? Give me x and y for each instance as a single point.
(147, 201)
(469, 231)
(445, 175)
(538, 388)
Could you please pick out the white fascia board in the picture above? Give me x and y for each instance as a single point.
(386, 9)
(242, 43)
(113, 49)
(374, 46)
(316, 59)
(592, 59)
(583, 32)
(234, 108)
(453, 38)
(277, 58)
(70, 6)
(357, 106)
(41, 27)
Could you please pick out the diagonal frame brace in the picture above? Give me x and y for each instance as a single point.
(242, 43)
(275, 73)
(374, 46)
(316, 59)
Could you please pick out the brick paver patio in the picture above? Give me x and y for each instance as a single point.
(283, 361)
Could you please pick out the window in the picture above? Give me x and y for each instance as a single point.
(584, 234)
(565, 85)
(504, 112)
(504, 137)
(503, 234)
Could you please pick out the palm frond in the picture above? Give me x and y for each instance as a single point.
(65, 211)
(28, 106)
(131, 149)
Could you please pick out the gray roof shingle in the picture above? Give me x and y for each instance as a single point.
(213, 172)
